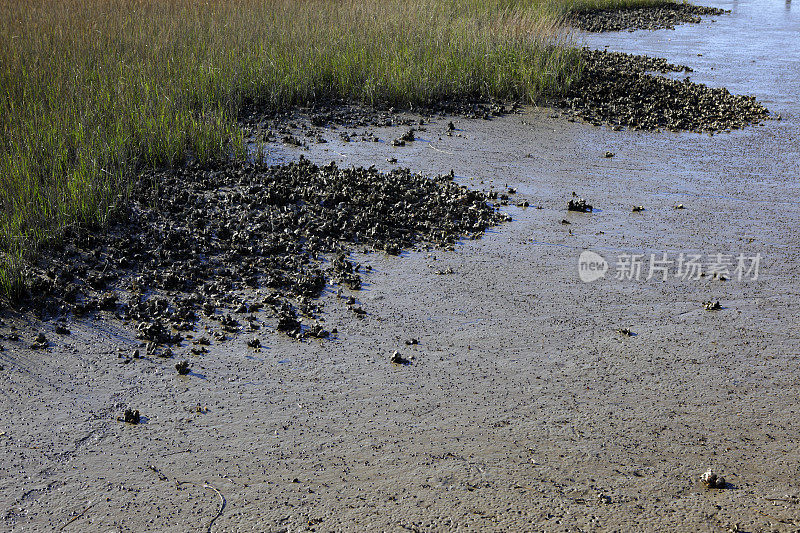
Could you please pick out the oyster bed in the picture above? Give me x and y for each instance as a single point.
(618, 90)
(194, 238)
(643, 18)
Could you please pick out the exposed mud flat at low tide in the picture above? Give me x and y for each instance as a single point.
(525, 407)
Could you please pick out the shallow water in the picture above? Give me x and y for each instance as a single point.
(755, 49)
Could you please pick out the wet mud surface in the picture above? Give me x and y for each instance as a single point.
(473, 384)
(488, 388)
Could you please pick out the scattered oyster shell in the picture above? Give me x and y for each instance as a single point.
(399, 359)
(182, 368)
(131, 416)
(579, 205)
(712, 480)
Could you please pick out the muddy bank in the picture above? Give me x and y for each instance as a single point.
(274, 125)
(525, 407)
(666, 16)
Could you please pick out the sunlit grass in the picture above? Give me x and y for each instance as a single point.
(91, 91)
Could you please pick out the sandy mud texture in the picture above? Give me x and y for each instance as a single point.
(176, 382)
(519, 398)
(646, 18)
(620, 90)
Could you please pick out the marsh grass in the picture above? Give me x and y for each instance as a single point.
(92, 91)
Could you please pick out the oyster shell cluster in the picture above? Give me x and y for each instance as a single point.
(211, 241)
(712, 480)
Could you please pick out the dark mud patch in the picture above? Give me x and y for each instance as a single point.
(620, 90)
(306, 126)
(229, 241)
(665, 16)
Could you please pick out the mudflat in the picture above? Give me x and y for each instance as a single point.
(522, 398)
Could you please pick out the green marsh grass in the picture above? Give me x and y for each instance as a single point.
(93, 91)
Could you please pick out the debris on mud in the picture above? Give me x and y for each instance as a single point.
(194, 239)
(665, 16)
(40, 342)
(712, 480)
(346, 272)
(579, 205)
(617, 89)
(398, 359)
(316, 330)
(359, 311)
(182, 367)
(131, 416)
(408, 136)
